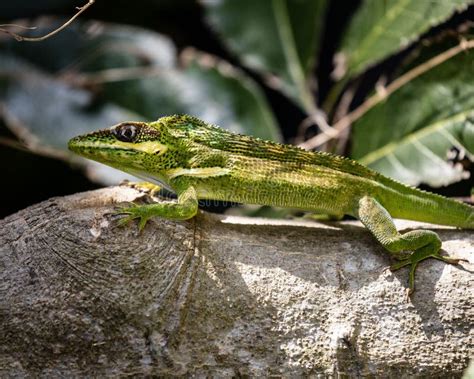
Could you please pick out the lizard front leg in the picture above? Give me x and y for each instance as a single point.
(424, 243)
(185, 208)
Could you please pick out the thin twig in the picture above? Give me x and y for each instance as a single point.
(111, 75)
(19, 26)
(342, 109)
(379, 96)
(28, 142)
(20, 38)
(317, 118)
(10, 142)
(43, 151)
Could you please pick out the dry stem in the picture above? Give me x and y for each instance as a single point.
(20, 38)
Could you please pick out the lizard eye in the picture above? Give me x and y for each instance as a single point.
(125, 132)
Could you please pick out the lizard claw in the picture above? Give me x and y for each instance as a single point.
(451, 260)
(408, 292)
(133, 212)
(415, 258)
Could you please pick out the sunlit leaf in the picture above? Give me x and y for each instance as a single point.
(278, 38)
(380, 28)
(416, 134)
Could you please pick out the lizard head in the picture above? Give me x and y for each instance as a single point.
(144, 149)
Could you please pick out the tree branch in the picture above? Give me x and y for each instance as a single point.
(217, 296)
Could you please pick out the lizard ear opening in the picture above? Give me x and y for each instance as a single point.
(125, 132)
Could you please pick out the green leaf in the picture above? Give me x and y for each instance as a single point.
(414, 134)
(278, 38)
(381, 28)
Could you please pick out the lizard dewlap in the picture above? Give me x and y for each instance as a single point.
(200, 161)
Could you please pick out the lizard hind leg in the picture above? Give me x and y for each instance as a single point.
(424, 243)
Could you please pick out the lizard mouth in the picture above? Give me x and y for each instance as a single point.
(81, 147)
(100, 151)
(92, 144)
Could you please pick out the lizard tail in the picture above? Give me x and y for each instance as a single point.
(424, 206)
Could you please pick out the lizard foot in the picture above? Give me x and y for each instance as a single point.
(133, 212)
(416, 257)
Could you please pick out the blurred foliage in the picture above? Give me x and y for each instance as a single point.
(437, 119)
(279, 39)
(247, 66)
(380, 28)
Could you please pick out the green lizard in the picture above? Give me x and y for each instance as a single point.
(199, 161)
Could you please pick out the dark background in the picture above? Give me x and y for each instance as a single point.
(28, 178)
